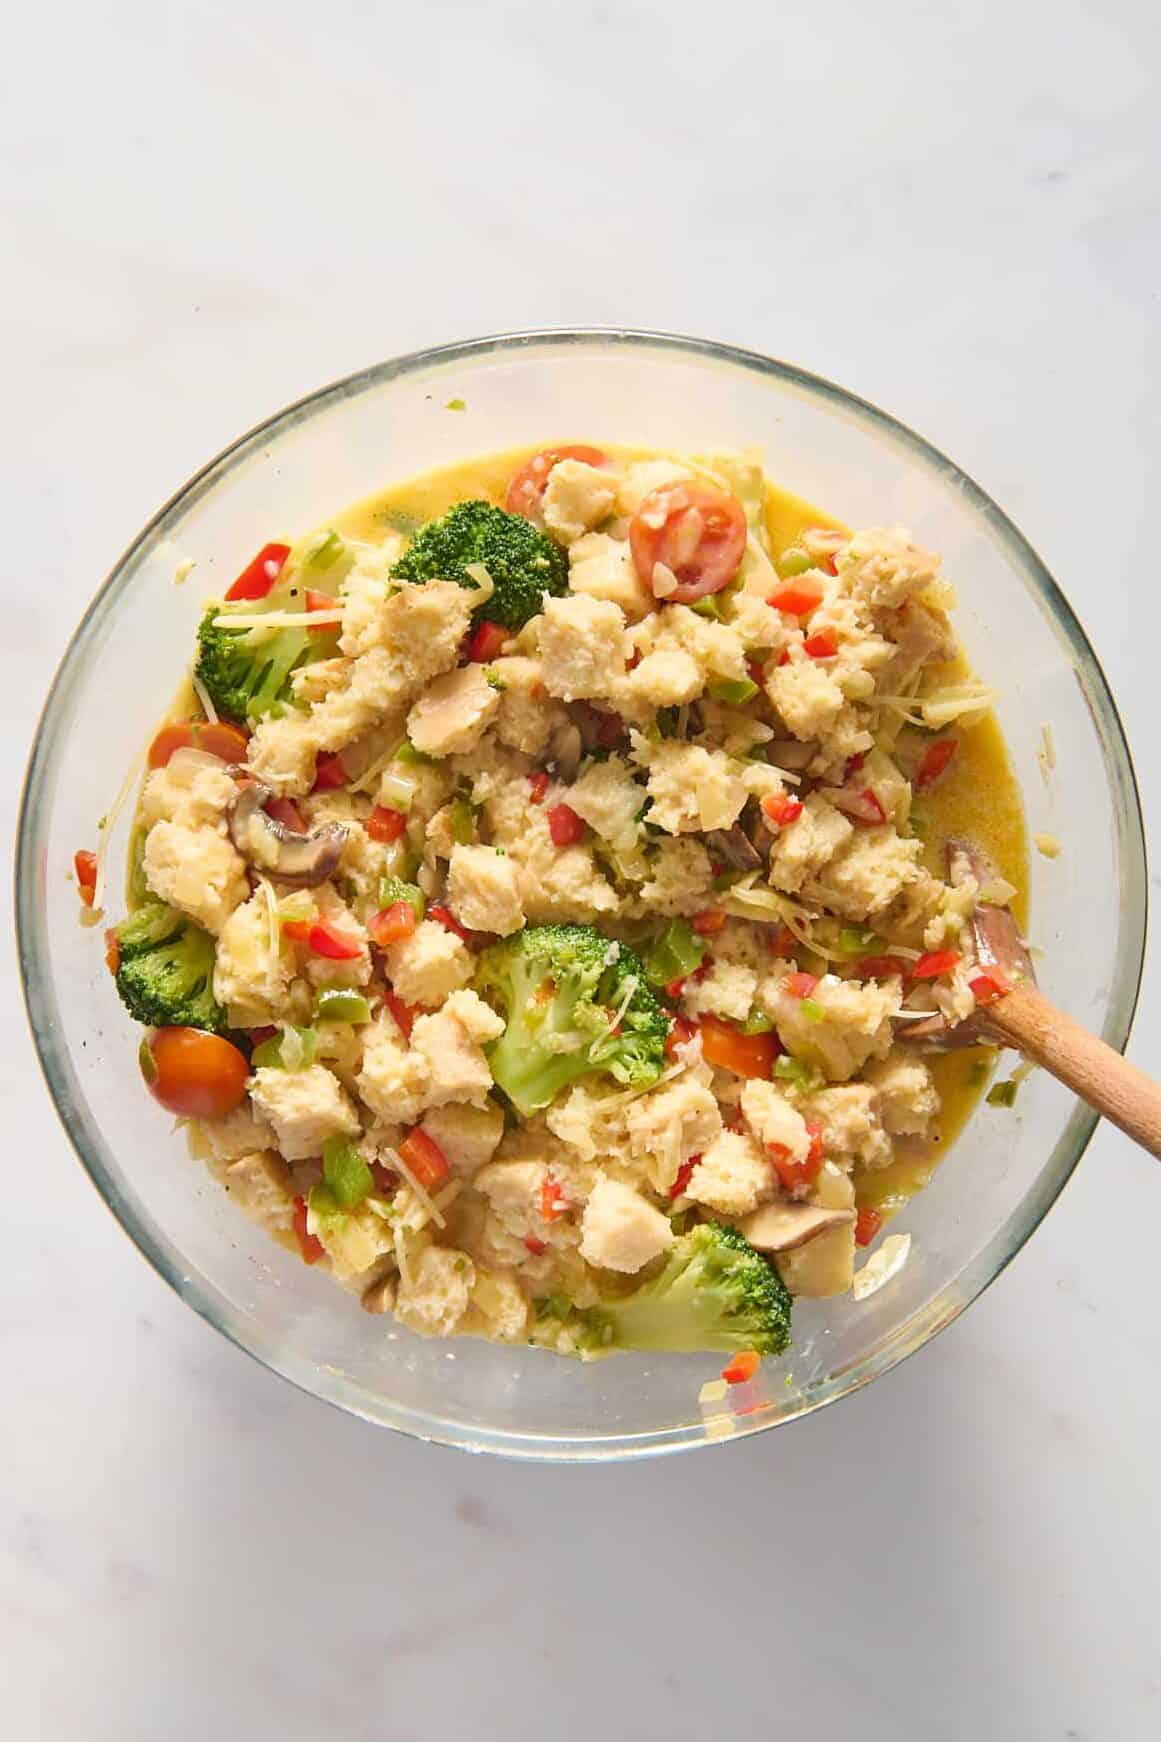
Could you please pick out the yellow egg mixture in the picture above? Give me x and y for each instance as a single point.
(979, 800)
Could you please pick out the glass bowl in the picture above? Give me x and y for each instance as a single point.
(342, 443)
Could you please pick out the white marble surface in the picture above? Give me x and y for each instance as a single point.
(210, 209)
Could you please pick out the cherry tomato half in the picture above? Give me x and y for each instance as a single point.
(216, 739)
(526, 491)
(193, 1074)
(699, 533)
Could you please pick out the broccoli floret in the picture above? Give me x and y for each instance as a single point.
(574, 1005)
(165, 970)
(523, 563)
(714, 1292)
(248, 679)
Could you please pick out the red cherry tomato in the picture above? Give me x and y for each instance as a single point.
(217, 738)
(526, 491)
(699, 533)
(193, 1074)
(258, 577)
(322, 938)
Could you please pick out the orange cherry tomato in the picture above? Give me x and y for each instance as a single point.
(699, 533)
(216, 738)
(193, 1074)
(526, 491)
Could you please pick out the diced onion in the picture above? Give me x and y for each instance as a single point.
(396, 792)
(485, 585)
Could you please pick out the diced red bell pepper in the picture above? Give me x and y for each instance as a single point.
(85, 870)
(403, 1014)
(485, 642)
(935, 963)
(987, 987)
(681, 1032)
(867, 1225)
(391, 925)
(822, 645)
(425, 1158)
(796, 598)
(537, 1247)
(538, 785)
(741, 1367)
(854, 763)
(684, 1175)
(323, 939)
(444, 916)
(935, 760)
(675, 988)
(565, 827)
(329, 773)
(864, 808)
(709, 921)
(553, 1203)
(112, 950)
(747, 1055)
(880, 968)
(799, 985)
(320, 602)
(385, 824)
(784, 657)
(309, 1244)
(286, 812)
(258, 577)
(782, 941)
(780, 809)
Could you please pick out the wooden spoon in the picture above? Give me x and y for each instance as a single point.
(1023, 1018)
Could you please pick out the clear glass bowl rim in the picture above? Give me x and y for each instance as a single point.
(40, 999)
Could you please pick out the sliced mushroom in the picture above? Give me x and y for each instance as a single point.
(791, 754)
(301, 859)
(783, 1227)
(998, 944)
(379, 1297)
(735, 848)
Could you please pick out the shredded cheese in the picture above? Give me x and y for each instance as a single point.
(1048, 845)
(395, 1160)
(203, 696)
(277, 619)
(183, 571)
(128, 785)
(485, 585)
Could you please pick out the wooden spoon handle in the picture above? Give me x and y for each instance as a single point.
(1100, 1076)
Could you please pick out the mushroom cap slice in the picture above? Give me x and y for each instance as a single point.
(780, 1227)
(301, 859)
